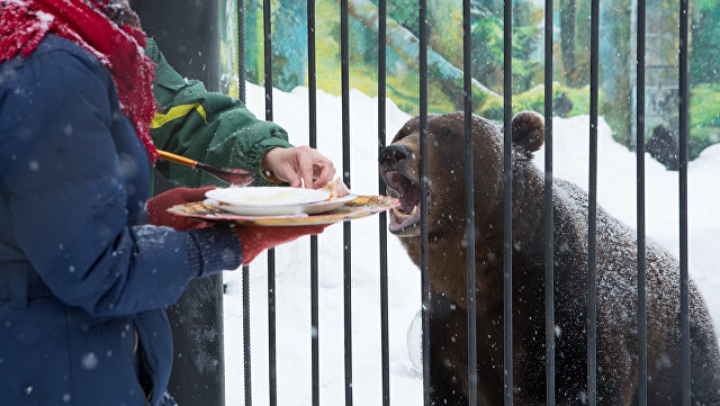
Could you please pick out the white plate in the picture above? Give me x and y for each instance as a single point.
(357, 207)
(266, 196)
(300, 210)
(328, 205)
(266, 201)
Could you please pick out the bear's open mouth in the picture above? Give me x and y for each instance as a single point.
(407, 192)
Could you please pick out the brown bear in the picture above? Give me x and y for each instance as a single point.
(616, 267)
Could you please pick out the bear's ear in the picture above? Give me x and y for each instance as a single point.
(528, 131)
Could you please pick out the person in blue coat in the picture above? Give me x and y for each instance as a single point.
(84, 277)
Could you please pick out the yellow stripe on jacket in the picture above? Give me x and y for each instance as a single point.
(176, 112)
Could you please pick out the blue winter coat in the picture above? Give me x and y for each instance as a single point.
(83, 281)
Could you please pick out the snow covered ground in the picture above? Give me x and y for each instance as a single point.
(616, 192)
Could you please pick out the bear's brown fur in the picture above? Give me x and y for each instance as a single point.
(616, 267)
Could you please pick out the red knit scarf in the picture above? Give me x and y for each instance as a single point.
(24, 23)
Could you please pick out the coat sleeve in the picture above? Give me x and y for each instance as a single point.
(68, 197)
(206, 126)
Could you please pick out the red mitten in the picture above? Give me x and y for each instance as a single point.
(158, 206)
(256, 239)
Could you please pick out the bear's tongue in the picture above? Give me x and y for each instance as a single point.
(409, 197)
(408, 214)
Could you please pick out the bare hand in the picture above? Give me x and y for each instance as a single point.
(299, 166)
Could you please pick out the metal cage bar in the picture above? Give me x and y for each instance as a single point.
(508, 204)
(548, 213)
(470, 207)
(247, 353)
(240, 13)
(314, 263)
(641, 240)
(347, 260)
(382, 219)
(272, 330)
(684, 128)
(424, 266)
(592, 209)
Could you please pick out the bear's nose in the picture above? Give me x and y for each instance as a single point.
(394, 154)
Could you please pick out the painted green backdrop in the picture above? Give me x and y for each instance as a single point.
(571, 57)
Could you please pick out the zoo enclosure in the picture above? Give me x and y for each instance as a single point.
(381, 19)
(425, 60)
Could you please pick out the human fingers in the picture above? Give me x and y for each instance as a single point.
(289, 174)
(282, 164)
(324, 172)
(315, 169)
(299, 165)
(305, 158)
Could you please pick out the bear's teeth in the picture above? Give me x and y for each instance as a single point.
(402, 215)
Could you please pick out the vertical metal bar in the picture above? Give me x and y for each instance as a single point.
(314, 266)
(548, 213)
(315, 320)
(508, 204)
(267, 52)
(272, 339)
(247, 353)
(592, 210)
(347, 262)
(470, 207)
(312, 74)
(272, 331)
(424, 258)
(684, 105)
(241, 49)
(641, 241)
(382, 232)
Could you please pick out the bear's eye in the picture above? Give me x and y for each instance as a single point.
(446, 134)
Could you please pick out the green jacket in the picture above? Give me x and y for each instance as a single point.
(206, 126)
